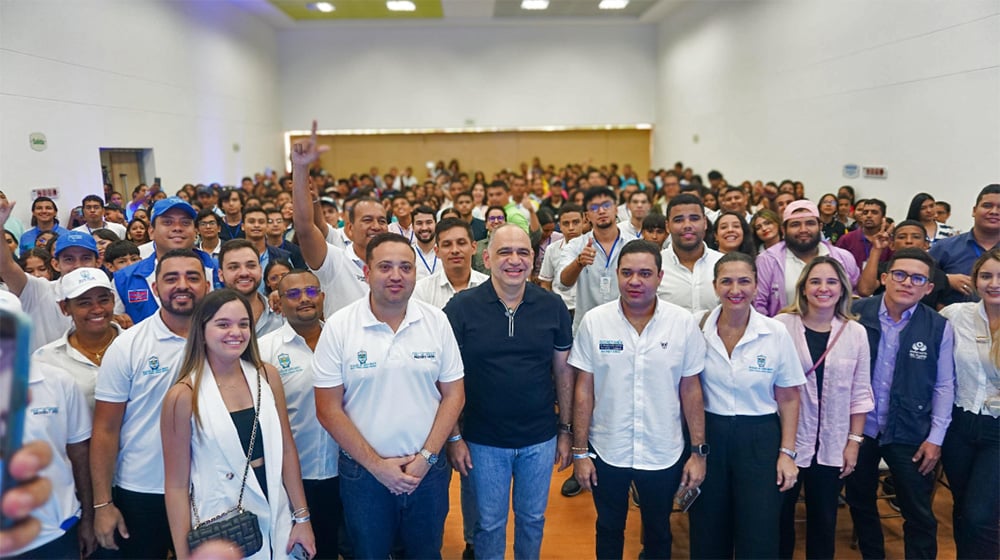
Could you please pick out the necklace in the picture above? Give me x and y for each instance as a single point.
(94, 356)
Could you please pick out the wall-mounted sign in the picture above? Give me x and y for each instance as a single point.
(37, 141)
(871, 172)
(51, 192)
(851, 170)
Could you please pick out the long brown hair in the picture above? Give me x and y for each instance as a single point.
(195, 351)
(800, 306)
(992, 254)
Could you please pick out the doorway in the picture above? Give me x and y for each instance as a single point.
(125, 168)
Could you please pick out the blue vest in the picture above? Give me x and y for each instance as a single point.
(914, 372)
(136, 293)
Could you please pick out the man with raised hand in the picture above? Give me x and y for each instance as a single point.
(340, 271)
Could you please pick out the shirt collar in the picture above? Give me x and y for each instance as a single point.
(368, 319)
(883, 311)
(288, 335)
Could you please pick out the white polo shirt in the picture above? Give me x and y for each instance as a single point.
(598, 282)
(764, 358)
(427, 263)
(389, 378)
(139, 368)
(548, 273)
(61, 354)
(628, 231)
(637, 419)
(342, 277)
(40, 300)
(57, 415)
(335, 236)
(690, 289)
(438, 291)
(117, 228)
(292, 357)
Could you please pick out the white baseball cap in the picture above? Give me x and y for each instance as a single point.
(80, 280)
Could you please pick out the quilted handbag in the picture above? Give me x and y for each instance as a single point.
(236, 525)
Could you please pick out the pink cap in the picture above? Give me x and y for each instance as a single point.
(801, 208)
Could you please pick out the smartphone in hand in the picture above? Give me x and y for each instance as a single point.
(15, 336)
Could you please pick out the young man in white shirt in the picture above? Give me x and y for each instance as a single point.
(638, 362)
(571, 222)
(126, 459)
(290, 350)
(455, 246)
(239, 269)
(423, 241)
(389, 389)
(93, 217)
(688, 263)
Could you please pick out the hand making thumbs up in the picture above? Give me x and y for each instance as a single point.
(587, 255)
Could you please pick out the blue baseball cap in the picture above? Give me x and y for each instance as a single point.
(75, 239)
(168, 204)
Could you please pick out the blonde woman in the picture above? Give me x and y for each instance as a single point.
(833, 351)
(208, 424)
(971, 451)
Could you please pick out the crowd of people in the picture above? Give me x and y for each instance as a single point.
(324, 353)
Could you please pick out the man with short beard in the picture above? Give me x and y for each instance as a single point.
(859, 242)
(779, 267)
(688, 263)
(126, 454)
(423, 241)
(241, 270)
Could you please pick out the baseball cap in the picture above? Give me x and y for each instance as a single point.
(801, 208)
(204, 189)
(79, 281)
(9, 302)
(167, 204)
(75, 239)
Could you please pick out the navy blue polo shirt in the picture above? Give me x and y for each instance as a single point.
(956, 255)
(509, 388)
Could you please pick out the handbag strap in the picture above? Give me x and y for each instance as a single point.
(829, 347)
(246, 467)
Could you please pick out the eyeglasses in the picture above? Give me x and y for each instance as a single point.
(900, 276)
(495, 219)
(606, 205)
(206, 223)
(275, 220)
(296, 293)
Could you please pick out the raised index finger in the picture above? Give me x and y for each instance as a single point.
(313, 138)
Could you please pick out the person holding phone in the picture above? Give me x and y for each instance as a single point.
(638, 363)
(226, 408)
(751, 385)
(833, 349)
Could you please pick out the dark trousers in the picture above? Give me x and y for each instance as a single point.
(913, 494)
(657, 489)
(66, 546)
(146, 518)
(971, 459)
(325, 511)
(822, 484)
(738, 510)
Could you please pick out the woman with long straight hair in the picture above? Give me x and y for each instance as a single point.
(833, 350)
(971, 451)
(226, 402)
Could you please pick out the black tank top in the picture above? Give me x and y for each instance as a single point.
(243, 420)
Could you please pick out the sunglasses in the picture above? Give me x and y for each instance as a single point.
(311, 292)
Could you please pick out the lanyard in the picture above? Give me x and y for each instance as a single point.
(610, 253)
(430, 269)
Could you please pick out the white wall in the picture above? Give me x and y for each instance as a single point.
(187, 79)
(798, 89)
(439, 76)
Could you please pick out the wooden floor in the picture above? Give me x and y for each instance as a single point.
(569, 528)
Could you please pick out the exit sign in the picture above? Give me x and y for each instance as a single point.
(874, 172)
(51, 192)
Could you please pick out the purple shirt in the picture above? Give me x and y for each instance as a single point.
(859, 247)
(885, 365)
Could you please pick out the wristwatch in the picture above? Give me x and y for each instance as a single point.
(790, 452)
(702, 449)
(430, 457)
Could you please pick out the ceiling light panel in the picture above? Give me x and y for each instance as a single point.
(534, 4)
(613, 4)
(400, 6)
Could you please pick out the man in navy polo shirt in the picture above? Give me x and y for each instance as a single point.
(515, 339)
(172, 228)
(955, 255)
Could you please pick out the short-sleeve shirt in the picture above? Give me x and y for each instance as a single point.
(509, 390)
(548, 273)
(40, 300)
(342, 277)
(956, 255)
(292, 357)
(598, 282)
(691, 289)
(61, 354)
(389, 378)
(743, 385)
(637, 418)
(438, 291)
(139, 368)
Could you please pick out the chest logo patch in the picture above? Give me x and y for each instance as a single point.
(918, 351)
(760, 365)
(363, 361)
(610, 346)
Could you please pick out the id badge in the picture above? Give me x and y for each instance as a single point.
(605, 285)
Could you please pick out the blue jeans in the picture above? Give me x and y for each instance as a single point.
(375, 517)
(493, 468)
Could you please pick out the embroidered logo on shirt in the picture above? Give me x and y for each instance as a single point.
(363, 361)
(610, 346)
(761, 365)
(918, 351)
(424, 355)
(664, 344)
(284, 361)
(138, 296)
(155, 367)
(44, 410)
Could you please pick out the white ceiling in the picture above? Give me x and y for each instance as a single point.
(491, 12)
